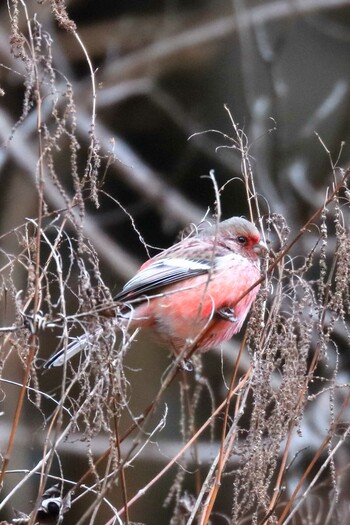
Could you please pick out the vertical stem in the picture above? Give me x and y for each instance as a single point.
(33, 338)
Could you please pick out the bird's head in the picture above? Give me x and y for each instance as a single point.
(241, 236)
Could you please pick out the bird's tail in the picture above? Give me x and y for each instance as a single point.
(80, 343)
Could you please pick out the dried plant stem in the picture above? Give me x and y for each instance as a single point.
(47, 454)
(320, 450)
(309, 375)
(246, 169)
(41, 188)
(52, 284)
(33, 343)
(297, 237)
(222, 456)
(143, 491)
(18, 411)
(139, 424)
(190, 418)
(122, 469)
(317, 475)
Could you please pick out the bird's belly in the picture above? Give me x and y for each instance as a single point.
(189, 313)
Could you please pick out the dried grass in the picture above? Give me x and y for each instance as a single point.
(51, 282)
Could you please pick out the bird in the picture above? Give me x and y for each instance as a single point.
(195, 294)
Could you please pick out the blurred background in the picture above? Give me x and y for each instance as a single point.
(166, 72)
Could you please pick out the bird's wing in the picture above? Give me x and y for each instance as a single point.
(160, 273)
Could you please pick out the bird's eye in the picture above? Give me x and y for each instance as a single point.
(242, 240)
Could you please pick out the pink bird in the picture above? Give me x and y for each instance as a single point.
(192, 295)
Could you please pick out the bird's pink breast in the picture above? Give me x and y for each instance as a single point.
(187, 310)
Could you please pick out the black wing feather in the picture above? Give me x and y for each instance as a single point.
(159, 274)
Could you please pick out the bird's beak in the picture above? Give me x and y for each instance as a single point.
(260, 248)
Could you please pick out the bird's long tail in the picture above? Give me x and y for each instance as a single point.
(80, 343)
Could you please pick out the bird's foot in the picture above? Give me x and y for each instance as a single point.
(186, 365)
(227, 313)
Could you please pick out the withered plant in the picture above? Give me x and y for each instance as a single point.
(262, 441)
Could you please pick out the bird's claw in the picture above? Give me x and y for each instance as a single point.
(186, 365)
(227, 313)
